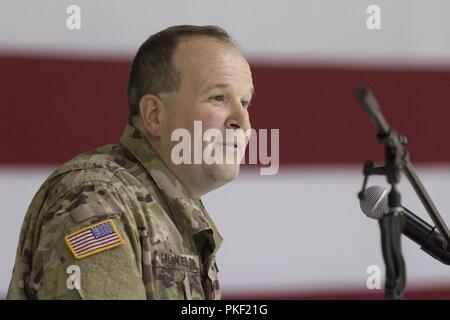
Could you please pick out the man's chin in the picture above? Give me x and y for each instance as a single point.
(224, 173)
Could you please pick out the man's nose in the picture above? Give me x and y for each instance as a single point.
(238, 118)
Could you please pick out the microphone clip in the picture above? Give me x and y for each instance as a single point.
(369, 169)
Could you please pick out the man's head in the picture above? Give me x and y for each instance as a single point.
(185, 74)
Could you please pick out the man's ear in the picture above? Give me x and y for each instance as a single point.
(150, 107)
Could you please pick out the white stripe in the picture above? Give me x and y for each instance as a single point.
(75, 237)
(98, 246)
(91, 241)
(80, 243)
(305, 220)
(412, 31)
(84, 236)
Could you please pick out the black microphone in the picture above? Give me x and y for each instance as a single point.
(370, 105)
(374, 204)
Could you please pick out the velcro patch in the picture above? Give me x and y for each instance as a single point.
(93, 239)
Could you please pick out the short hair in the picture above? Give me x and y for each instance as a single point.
(152, 70)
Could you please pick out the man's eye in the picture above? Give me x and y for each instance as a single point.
(218, 98)
(245, 104)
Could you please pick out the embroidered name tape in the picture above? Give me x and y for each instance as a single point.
(93, 239)
(176, 260)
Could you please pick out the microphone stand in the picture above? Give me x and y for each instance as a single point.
(391, 227)
(392, 223)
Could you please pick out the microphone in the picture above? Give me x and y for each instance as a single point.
(374, 204)
(370, 105)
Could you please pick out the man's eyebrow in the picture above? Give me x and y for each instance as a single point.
(224, 86)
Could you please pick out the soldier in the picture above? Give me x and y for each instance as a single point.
(124, 221)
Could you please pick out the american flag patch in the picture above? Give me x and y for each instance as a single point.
(93, 239)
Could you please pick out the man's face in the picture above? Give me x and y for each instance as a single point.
(216, 89)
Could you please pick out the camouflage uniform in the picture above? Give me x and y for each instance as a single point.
(168, 239)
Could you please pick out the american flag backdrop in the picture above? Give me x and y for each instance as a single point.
(299, 233)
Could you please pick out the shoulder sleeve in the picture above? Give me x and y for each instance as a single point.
(88, 248)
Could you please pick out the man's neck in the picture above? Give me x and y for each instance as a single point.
(137, 123)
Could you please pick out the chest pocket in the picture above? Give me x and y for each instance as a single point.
(177, 276)
(212, 288)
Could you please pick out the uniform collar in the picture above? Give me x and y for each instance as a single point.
(190, 214)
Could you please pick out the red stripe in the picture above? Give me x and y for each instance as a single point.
(88, 243)
(83, 241)
(54, 109)
(84, 235)
(98, 246)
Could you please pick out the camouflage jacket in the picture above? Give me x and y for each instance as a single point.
(114, 223)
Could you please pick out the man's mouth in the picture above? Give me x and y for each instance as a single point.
(233, 145)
